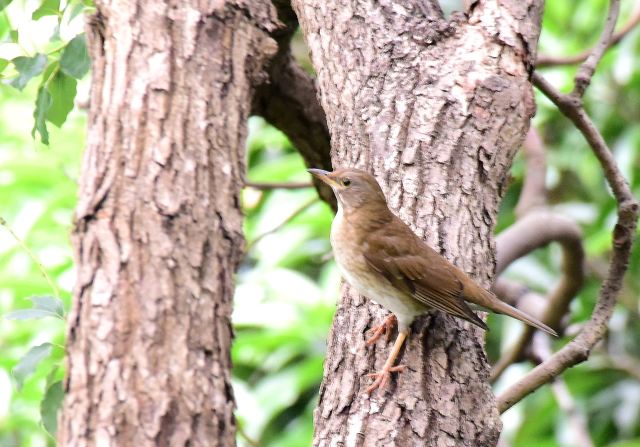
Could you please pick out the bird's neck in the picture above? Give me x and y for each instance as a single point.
(365, 218)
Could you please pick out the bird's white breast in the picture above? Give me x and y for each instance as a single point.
(350, 259)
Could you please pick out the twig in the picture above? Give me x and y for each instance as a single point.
(292, 216)
(588, 67)
(248, 439)
(579, 348)
(573, 110)
(551, 61)
(28, 251)
(262, 186)
(532, 232)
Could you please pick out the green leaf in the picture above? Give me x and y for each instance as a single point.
(43, 306)
(49, 407)
(3, 64)
(49, 303)
(43, 102)
(4, 4)
(30, 361)
(47, 8)
(27, 67)
(63, 91)
(29, 314)
(75, 59)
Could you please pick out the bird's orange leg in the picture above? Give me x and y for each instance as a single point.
(385, 328)
(383, 377)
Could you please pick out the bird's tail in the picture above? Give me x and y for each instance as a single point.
(491, 302)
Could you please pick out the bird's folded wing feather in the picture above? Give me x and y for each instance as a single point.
(414, 268)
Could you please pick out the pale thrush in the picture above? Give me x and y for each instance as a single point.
(384, 260)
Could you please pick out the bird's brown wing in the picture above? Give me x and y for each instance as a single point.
(417, 270)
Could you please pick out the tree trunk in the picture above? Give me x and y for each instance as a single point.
(158, 224)
(436, 110)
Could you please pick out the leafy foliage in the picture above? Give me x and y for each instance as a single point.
(27, 68)
(57, 61)
(30, 361)
(38, 193)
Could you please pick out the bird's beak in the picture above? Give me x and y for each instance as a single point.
(323, 176)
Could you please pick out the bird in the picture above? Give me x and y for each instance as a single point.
(384, 260)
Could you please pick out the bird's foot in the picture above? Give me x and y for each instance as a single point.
(385, 328)
(383, 377)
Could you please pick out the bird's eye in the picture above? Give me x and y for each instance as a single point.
(346, 182)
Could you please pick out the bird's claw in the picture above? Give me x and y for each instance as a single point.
(385, 328)
(383, 378)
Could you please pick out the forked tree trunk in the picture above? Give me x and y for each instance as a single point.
(158, 224)
(436, 110)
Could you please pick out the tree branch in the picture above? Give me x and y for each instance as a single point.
(588, 67)
(577, 350)
(288, 219)
(534, 191)
(580, 347)
(537, 229)
(573, 110)
(534, 230)
(552, 61)
(288, 100)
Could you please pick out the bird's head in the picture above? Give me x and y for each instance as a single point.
(353, 188)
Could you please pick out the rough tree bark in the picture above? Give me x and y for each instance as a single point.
(158, 223)
(436, 110)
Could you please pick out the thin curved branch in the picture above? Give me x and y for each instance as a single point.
(305, 206)
(534, 191)
(580, 347)
(572, 109)
(552, 61)
(588, 67)
(537, 229)
(534, 230)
